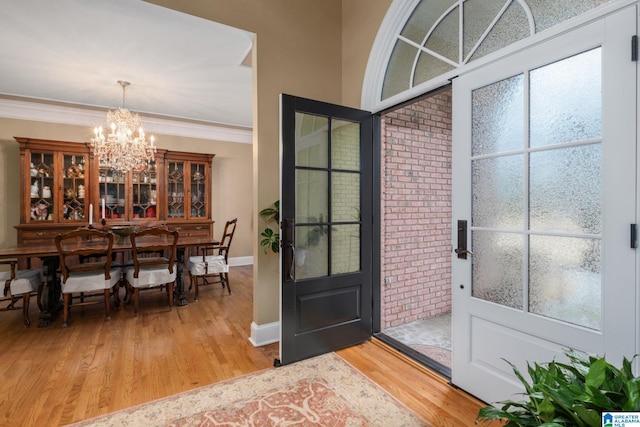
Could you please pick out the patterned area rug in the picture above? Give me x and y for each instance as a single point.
(322, 391)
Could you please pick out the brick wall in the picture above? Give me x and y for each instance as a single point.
(416, 206)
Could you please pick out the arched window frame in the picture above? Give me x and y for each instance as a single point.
(390, 31)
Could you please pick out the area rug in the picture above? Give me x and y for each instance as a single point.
(322, 391)
(440, 355)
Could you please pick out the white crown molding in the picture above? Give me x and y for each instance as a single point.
(24, 110)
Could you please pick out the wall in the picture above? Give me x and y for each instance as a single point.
(416, 206)
(298, 50)
(232, 175)
(360, 22)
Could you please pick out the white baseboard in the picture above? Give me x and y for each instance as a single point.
(260, 334)
(264, 334)
(243, 260)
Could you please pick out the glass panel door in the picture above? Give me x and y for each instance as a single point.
(145, 192)
(198, 202)
(544, 167)
(42, 186)
(175, 189)
(112, 191)
(75, 190)
(327, 245)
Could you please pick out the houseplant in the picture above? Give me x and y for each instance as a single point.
(569, 394)
(271, 239)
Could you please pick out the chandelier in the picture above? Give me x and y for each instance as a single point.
(125, 147)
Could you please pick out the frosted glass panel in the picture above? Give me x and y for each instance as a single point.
(345, 145)
(444, 38)
(498, 117)
(566, 190)
(345, 197)
(424, 16)
(429, 67)
(478, 14)
(566, 100)
(565, 281)
(345, 248)
(547, 13)
(311, 254)
(398, 76)
(311, 195)
(311, 140)
(498, 185)
(497, 268)
(512, 26)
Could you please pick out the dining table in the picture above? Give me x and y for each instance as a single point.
(50, 299)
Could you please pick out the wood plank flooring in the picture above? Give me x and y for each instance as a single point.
(56, 376)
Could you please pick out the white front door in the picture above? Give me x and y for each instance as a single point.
(544, 173)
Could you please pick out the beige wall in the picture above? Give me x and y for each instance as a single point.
(360, 22)
(232, 167)
(299, 49)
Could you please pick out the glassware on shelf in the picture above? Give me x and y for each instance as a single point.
(35, 189)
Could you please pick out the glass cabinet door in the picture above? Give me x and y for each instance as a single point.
(175, 189)
(42, 172)
(74, 187)
(113, 191)
(198, 190)
(145, 192)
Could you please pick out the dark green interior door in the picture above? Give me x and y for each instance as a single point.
(327, 220)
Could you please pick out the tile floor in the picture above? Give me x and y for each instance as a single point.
(431, 337)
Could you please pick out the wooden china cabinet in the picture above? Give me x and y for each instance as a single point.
(60, 181)
(187, 194)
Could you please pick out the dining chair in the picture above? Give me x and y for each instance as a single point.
(21, 283)
(214, 261)
(154, 262)
(84, 277)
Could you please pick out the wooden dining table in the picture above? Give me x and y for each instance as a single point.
(48, 255)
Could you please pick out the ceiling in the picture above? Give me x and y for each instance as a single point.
(74, 52)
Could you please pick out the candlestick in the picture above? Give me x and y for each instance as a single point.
(90, 214)
(102, 208)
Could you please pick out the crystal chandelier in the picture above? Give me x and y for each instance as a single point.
(122, 150)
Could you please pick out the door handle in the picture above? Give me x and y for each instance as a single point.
(288, 248)
(461, 249)
(462, 252)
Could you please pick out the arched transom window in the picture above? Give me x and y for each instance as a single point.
(440, 36)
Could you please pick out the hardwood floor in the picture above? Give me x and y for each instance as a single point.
(56, 376)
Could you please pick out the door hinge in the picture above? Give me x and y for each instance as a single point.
(634, 48)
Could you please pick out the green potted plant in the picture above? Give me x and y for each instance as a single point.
(569, 394)
(271, 239)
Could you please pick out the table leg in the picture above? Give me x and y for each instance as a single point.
(50, 302)
(179, 290)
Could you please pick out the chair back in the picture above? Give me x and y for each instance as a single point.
(154, 241)
(76, 246)
(227, 237)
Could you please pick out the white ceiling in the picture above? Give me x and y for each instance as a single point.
(75, 51)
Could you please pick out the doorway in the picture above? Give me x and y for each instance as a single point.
(416, 229)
